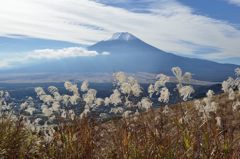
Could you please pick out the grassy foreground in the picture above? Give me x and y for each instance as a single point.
(175, 132)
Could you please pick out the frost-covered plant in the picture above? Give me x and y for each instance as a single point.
(206, 106)
(164, 95)
(56, 106)
(47, 111)
(127, 85)
(74, 99)
(90, 96)
(117, 110)
(126, 88)
(127, 91)
(231, 85)
(145, 104)
(48, 134)
(28, 103)
(231, 94)
(184, 91)
(99, 101)
(119, 78)
(84, 86)
(166, 109)
(151, 90)
(161, 82)
(160, 88)
(39, 91)
(127, 114)
(136, 89)
(6, 105)
(237, 71)
(30, 110)
(236, 106)
(71, 87)
(85, 113)
(115, 98)
(219, 121)
(186, 77)
(55, 92)
(186, 118)
(107, 101)
(41, 94)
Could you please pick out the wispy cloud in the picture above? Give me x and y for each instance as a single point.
(236, 2)
(165, 26)
(47, 54)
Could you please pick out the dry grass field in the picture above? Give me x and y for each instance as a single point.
(174, 132)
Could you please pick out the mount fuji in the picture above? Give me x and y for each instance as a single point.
(130, 54)
(125, 52)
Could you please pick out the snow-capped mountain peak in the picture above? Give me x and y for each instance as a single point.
(123, 36)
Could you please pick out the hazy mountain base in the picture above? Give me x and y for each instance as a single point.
(142, 77)
(20, 91)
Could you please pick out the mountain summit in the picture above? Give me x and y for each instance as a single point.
(123, 36)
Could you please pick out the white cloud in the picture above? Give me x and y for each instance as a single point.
(47, 54)
(60, 53)
(86, 22)
(236, 2)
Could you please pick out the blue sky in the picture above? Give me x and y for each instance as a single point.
(217, 9)
(208, 29)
